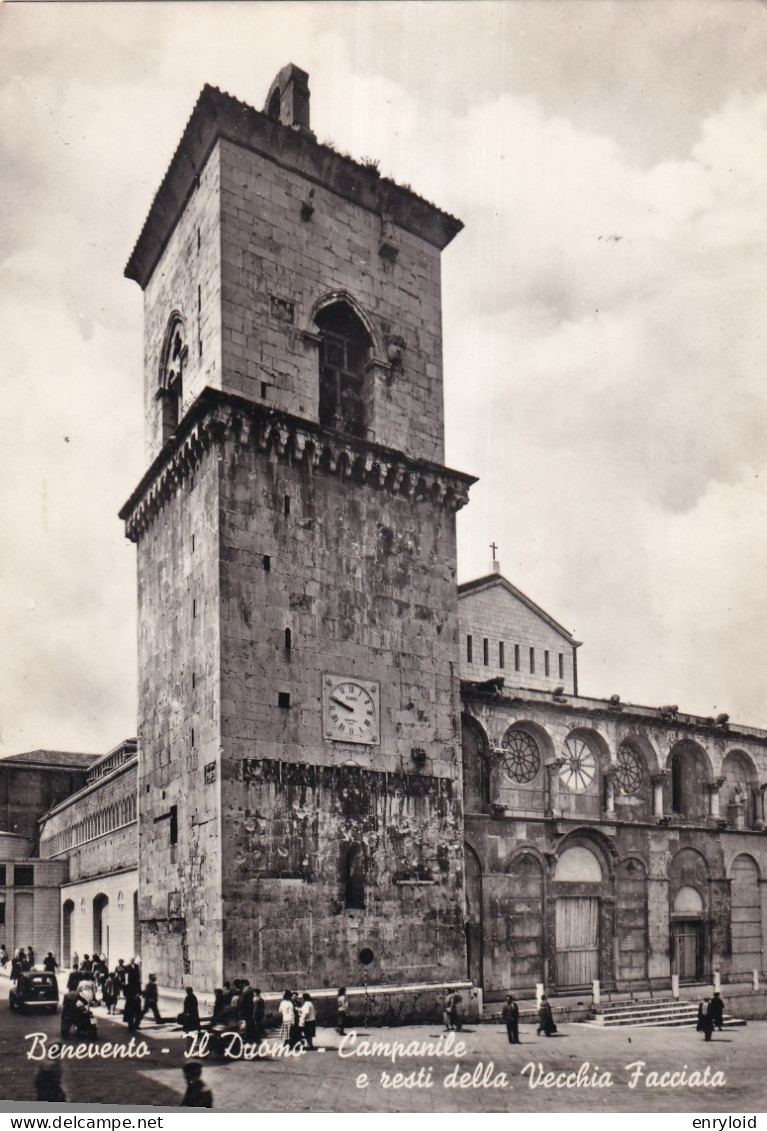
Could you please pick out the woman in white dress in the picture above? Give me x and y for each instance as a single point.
(287, 1017)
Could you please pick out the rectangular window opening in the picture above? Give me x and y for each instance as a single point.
(23, 875)
(286, 505)
(469, 649)
(194, 607)
(192, 736)
(485, 651)
(288, 640)
(174, 824)
(561, 666)
(199, 239)
(546, 662)
(501, 658)
(516, 657)
(194, 679)
(532, 661)
(267, 563)
(283, 699)
(264, 387)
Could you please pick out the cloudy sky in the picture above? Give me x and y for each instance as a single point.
(604, 312)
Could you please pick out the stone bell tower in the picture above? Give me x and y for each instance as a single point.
(300, 782)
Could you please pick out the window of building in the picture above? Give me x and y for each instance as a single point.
(354, 878)
(561, 666)
(516, 657)
(288, 640)
(174, 824)
(23, 875)
(485, 651)
(283, 699)
(172, 364)
(344, 351)
(2, 875)
(546, 662)
(501, 662)
(469, 649)
(532, 661)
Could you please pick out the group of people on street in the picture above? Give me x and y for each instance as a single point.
(711, 1015)
(298, 1020)
(96, 984)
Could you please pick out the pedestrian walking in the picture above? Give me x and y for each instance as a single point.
(49, 963)
(716, 1011)
(110, 992)
(197, 1093)
(511, 1017)
(450, 1011)
(150, 999)
(190, 1014)
(259, 1015)
(287, 1018)
(545, 1018)
(308, 1022)
(705, 1021)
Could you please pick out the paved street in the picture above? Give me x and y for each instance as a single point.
(327, 1081)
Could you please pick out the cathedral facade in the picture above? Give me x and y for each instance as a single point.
(339, 748)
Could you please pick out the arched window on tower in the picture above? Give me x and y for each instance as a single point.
(344, 351)
(172, 365)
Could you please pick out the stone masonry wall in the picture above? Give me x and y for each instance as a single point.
(187, 279)
(497, 615)
(276, 267)
(287, 921)
(180, 909)
(365, 581)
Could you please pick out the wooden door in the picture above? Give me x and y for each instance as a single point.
(577, 926)
(686, 938)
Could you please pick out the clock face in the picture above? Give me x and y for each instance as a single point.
(350, 709)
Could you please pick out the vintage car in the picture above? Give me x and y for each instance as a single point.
(34, 990)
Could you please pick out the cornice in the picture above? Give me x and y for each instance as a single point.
(217, 417)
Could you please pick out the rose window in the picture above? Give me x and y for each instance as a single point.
(580, 765)
(630, 771)
(520, 758)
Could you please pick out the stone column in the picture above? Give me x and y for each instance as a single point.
(759, 793)
(609, 775)
(658, 781)
(713, 791)
(552, 769)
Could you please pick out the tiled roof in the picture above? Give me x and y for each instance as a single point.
(53, 758)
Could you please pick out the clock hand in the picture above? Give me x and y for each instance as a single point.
(341, 703)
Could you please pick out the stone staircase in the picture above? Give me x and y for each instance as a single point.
(658, 1013)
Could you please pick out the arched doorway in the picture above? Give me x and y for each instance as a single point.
(67, 911)
(578, 876)
(687, 935)
(101, 924)
(473, 924)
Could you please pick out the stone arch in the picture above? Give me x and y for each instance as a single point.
(745, 915)
(526, 877)
(101, 923)
(519, 769)
(631, 921)
(476, 766)
(345, 387)
(632, 778)
(173, 358)
(689, 775)
(333, 298)
(737, 800)
(581, 777)
(581, 918)
(688, 893)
